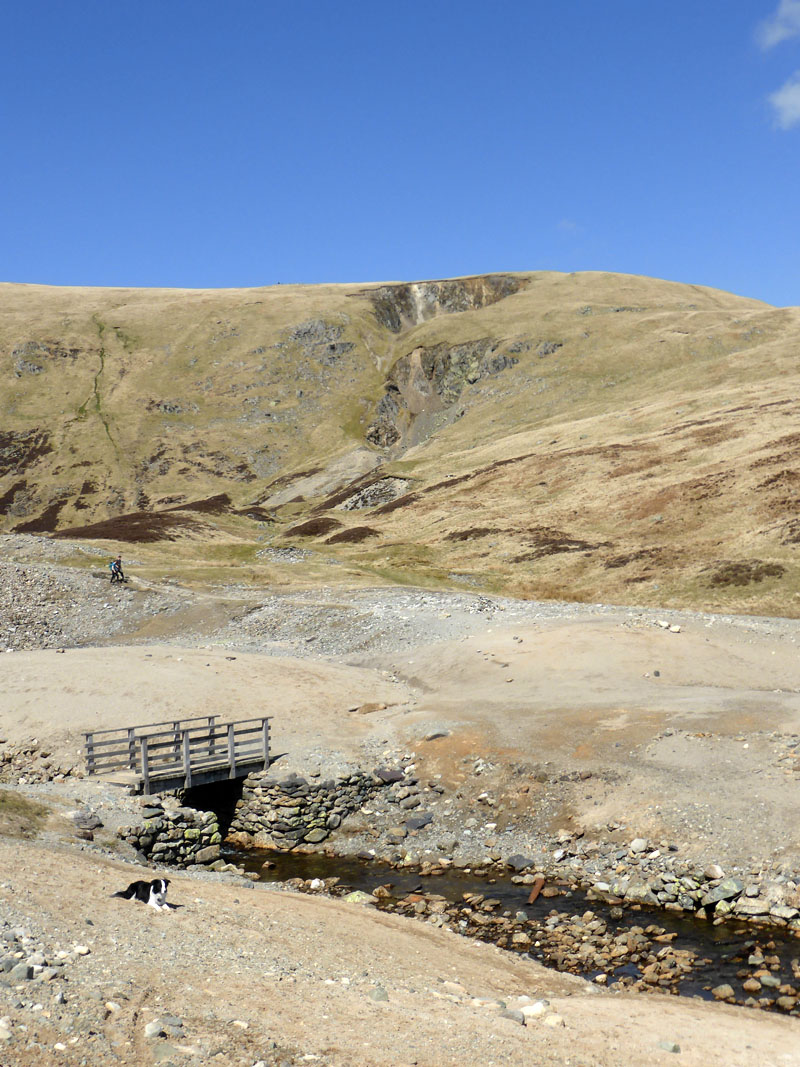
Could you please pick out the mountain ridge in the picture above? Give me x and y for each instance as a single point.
(574, 435)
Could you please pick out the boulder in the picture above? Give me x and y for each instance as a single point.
(418, 822)
(207, 855)
(387, 775)
(518, 862)
(642, 894)
(723, 992)
(728, 889)
(359, 897)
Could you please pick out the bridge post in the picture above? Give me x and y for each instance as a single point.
(132, 747)
(90, 765)
(231, 751)
(145, 768)
(265, 741)
(187, 760)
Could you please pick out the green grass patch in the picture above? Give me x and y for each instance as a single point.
(128, 342)
(19, 816)
(228, 553)
(355, 424)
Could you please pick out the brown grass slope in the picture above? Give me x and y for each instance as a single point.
(589, 436)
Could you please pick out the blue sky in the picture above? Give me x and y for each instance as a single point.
(196, 143)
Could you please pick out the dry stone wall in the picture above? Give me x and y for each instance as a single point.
(172, 835)
(283, 814)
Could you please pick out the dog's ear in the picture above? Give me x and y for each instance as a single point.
(166, 882)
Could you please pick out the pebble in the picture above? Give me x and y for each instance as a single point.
(359, 897)
(514, 1015)
(536, 1009)
(723, 992)
(164, 1053)
(554, 1020)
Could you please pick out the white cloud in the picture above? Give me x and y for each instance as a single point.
(782, 25)
(786, 102)
(570, 226)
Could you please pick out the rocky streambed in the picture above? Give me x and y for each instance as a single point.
(394, 815)
(619, 946)
(628, 914)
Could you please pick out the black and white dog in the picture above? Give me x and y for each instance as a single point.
(154, 893)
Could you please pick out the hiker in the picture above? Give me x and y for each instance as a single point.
(116, 570)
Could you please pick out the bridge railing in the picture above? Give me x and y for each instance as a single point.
(112, 750)
(182, 750)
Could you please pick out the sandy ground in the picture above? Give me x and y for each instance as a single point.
(685, 735)
(245, 966)
(107, 688)
(691, 752)
(614, 676)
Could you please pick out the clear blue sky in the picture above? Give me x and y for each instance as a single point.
(247, 142)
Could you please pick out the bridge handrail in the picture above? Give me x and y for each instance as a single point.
(149, 725)
(191, 748)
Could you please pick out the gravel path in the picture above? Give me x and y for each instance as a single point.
(46, 604)
(350, 623)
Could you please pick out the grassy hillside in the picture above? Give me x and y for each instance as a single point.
(587, 436)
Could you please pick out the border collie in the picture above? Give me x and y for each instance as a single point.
(154, 893)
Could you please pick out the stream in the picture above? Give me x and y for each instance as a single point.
(693, 957)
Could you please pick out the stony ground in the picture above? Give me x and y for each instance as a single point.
(530, 727)
(44, 604)
(241, 975)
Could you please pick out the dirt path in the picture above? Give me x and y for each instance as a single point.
(104, 688)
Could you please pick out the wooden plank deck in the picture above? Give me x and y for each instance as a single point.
(150, 759)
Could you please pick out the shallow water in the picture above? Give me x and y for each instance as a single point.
(725, 946)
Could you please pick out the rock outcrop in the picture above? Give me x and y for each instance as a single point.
(430, 380)
(397, 307)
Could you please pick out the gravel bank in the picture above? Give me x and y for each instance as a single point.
(46, 604)
(352, 623)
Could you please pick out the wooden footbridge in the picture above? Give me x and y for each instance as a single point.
(178, 754)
